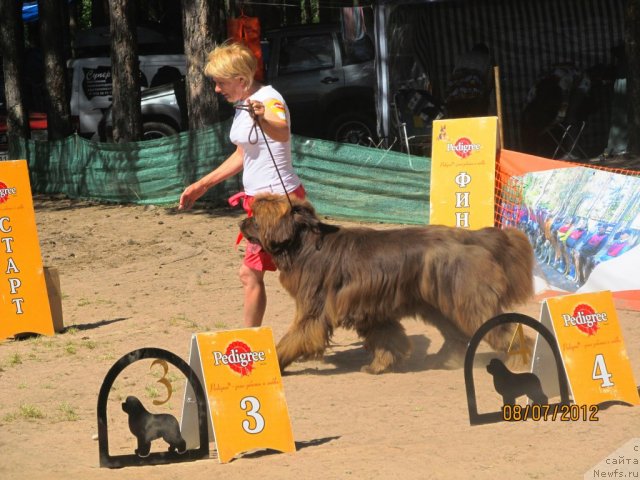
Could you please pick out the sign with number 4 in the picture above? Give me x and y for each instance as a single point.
(241, 377)
(593, 352)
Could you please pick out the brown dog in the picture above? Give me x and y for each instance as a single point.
(368, 280)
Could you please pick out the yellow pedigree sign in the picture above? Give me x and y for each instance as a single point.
(590, 341)
(463, 159)
(245, 392)
(24, 304)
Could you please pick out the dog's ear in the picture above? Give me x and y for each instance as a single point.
(288, 227)
(276, 237)
(305, 215)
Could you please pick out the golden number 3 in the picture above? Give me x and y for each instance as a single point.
(163, 380)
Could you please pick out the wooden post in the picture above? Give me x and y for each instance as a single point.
(52, 279)
(496, 77)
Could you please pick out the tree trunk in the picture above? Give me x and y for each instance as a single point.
(56, 98)
(125, 72)
(632, 54)
(12, 50)
(200, 25)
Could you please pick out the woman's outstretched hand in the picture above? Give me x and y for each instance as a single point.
(192, 193)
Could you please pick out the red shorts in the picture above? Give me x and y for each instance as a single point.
(254, 256)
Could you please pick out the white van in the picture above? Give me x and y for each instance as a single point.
(91, 87)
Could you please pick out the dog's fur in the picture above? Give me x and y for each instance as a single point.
(513, 385)
(368, 280)
(147, 426)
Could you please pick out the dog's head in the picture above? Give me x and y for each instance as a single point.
(495, 366)
(277, 225)
(132, 405)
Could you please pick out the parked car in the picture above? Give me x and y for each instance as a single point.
(164, 112)
(329, 86)
(327, 82)
(91, 88)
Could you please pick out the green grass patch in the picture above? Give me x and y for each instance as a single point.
(83, 302)
(89, 344)
(67, 413)
(25, 411)
(152, 391)
(15, 359)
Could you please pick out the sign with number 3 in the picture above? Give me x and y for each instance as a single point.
(241, 377)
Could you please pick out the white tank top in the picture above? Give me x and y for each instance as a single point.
(259, 174)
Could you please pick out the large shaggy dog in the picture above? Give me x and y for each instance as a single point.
(368, 280)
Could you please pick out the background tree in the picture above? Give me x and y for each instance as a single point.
(11, 50)
(125, 72)
(632, 54)
(52, 34)
(202, 24)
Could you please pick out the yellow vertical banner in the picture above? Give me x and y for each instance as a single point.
(463, 159)
(24, 304)
(246, 397)
(593, 351)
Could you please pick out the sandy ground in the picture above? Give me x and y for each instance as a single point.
(136, 277)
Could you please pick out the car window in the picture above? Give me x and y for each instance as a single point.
(299, 54)
(357, 51)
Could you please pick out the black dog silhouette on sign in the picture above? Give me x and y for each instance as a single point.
(147, 426)
(513, 385)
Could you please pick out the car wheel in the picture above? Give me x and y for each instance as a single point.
(352, 127)
(153, 130)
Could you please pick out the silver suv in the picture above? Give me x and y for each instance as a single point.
(164, 112)
(327, 82)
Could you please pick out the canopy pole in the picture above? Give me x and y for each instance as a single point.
(496, 77)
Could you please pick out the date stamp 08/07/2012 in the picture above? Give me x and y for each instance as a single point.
(544, 413)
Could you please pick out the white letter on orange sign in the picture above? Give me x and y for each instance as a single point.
(11, 266)
(18, 302)
(14, 284)
(462, 199)
(7, 241)
(4, 229)
(462, 219)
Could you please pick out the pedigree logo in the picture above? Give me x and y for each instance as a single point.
(585, 318)
(239, 358)
(463, 147)
(5, 192)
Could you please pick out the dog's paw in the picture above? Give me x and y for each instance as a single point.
(142, 454)
(374, 370)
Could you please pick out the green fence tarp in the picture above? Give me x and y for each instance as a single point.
(341, 180)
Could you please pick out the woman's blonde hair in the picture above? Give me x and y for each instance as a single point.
(231, 60)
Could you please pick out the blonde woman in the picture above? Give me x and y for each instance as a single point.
(232, 67)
